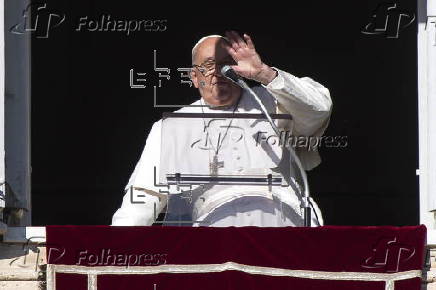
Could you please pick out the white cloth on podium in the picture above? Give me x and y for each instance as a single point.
(309, 104)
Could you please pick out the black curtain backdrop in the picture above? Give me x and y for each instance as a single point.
(89, 127)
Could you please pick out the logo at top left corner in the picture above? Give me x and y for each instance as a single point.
(38, 20)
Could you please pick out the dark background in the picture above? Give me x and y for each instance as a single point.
(89, 127)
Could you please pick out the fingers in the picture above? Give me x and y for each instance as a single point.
(239, 48)
(230, 50)
(236, 42)
(238, 39)
(232, 40)
(249, 42)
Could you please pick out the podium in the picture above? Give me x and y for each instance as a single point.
(210, 159)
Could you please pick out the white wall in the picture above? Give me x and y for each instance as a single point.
(427, 110)
(17, 112)
(2, 102)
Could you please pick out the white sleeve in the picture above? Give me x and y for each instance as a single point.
(310, 105)
(307, 101)
(142, 201)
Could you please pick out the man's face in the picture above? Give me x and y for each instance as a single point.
(215, 89)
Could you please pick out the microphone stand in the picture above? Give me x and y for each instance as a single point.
(307, 210)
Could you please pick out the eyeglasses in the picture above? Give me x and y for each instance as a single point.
(209, 67)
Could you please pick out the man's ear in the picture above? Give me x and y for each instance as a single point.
(194, 77)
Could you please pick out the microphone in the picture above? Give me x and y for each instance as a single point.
(230, 74)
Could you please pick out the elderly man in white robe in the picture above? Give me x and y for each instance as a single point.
(307, 101)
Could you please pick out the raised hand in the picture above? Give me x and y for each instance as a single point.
(249, 63)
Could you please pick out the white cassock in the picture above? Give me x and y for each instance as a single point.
(309, 104)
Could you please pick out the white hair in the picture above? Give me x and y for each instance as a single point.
(194, 49)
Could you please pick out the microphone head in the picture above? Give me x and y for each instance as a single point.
(230, 73)
(225, 69)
